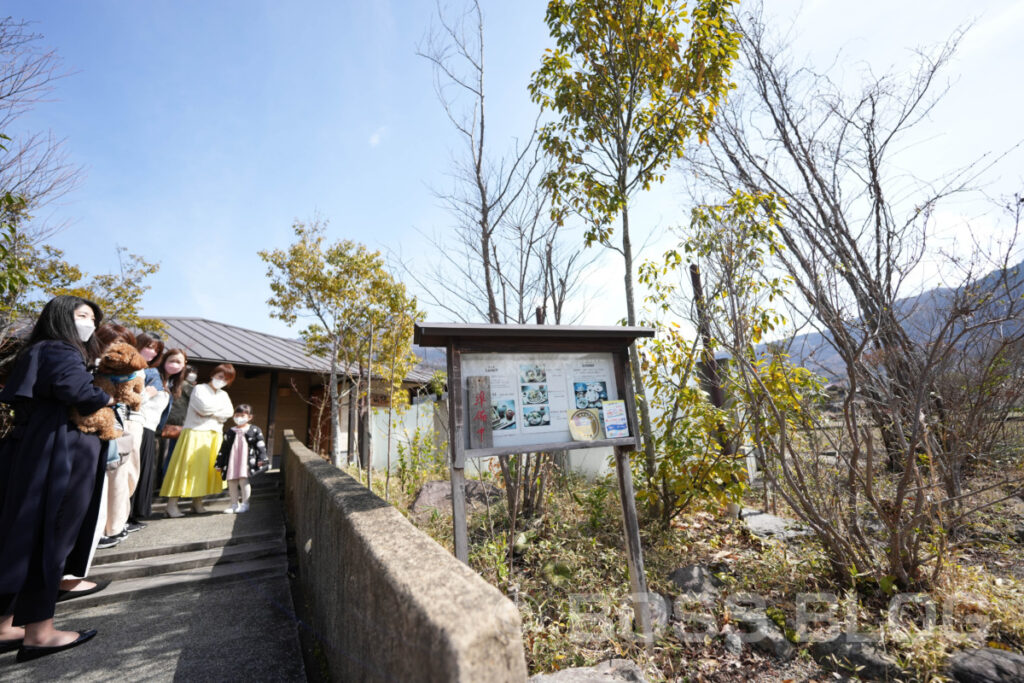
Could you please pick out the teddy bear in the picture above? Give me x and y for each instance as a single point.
(119, 374)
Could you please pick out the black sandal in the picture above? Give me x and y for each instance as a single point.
(71, 595)
(29, 652)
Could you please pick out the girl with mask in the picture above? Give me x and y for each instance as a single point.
(243, 453)
(191, 473)
(155, 401)
(174, 371)
(48, 475)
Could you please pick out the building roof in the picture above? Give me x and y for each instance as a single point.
(215, 342)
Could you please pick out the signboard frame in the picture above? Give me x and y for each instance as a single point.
(461, 339)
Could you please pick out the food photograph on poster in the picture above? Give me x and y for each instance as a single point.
(532, 373)
(536, 416)
(534, 394)
(503, 415)
(590, 394)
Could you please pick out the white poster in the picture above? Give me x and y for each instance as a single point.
(533, 394)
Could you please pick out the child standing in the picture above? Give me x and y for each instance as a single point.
(242, 453)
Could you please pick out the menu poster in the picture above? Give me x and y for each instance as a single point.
(616, 424)
(532, 395)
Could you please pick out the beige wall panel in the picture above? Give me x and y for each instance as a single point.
(292, 410)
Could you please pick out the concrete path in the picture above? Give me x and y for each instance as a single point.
(202, 598)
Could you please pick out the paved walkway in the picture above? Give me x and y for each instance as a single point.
(202, 598)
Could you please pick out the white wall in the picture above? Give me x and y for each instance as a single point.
(403, 425)
(590, 462)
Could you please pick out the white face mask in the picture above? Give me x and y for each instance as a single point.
(240, 420)
(85, 329)
(218, 383)
(191, 377)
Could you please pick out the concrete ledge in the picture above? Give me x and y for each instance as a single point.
(388, 603)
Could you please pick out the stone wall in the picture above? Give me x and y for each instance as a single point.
(387, 602)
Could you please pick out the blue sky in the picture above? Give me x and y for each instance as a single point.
(205, 128)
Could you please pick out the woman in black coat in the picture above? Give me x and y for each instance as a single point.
(48, 474)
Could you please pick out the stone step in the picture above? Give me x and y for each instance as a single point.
(160, 504)
(265, 485)
(255, 570)
(125, 552)
(168, 563)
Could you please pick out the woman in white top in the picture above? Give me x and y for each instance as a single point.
(190, 473)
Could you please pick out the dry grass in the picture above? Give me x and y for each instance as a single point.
(568, 576)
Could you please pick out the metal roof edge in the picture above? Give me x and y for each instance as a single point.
(437, 334)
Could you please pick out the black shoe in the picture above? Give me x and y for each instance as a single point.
(71, 595)
(109, 541)
(30, 652)
(132, 527)
(123, 535)
(10, 645)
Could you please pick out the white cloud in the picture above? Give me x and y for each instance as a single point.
(377, 136)
(994, 30)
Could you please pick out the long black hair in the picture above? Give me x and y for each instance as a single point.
(57, 322)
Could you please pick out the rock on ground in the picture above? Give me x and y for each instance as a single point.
(605, 672)
(987, 665)
(772, 641)
(437, 495)
(733, 640)
(856, 655)
(763, 524)
(695, 580)
(660, 611)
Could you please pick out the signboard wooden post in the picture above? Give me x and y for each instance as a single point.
(540, 388)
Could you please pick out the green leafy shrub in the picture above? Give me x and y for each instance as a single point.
(692, 467)
(421, 456)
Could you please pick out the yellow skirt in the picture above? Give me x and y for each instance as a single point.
(190, 473)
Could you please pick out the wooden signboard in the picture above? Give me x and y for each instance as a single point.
(538, 388)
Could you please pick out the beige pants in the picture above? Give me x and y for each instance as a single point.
(121, 483)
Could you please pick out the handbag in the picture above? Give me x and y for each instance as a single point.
(170, 432)
(118, 450)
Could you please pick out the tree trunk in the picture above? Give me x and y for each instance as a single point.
(368, 431)
(353, 407)
(650, 459)
(335, 422)
(710, 378)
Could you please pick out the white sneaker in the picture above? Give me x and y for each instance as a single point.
(244, 507)
(231, 510)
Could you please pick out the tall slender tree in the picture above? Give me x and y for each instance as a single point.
(630, 83)
(503, 256)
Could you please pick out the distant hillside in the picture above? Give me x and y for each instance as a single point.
(433, 357)
(814, 351)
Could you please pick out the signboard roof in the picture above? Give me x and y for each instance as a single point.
(439, 334)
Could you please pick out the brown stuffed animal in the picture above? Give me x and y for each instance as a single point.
(118, 376)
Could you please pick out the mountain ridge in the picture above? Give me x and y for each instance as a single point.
(814, 351)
